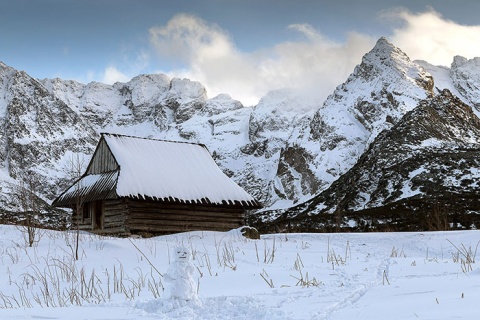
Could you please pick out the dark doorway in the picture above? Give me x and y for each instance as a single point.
(98, 215)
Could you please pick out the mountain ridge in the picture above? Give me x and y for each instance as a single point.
(283, 151)
(427, 159)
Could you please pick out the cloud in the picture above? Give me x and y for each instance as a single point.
(428, 36)
(132, 62)
(112, 75)
(185, 35)
(311, 61)
(209, 55)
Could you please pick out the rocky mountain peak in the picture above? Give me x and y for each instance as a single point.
(458, 61)
(6, 71)
(380, 91)
(4, 67)
(39, 131)
(444, 119)
(384, 49)
(220, 104)
(389, 62)
(465, 74)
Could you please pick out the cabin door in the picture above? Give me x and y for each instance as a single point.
(98, 215)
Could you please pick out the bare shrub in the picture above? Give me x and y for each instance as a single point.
(75, 168)
(465, 256)
(30, 204)
(437, 219)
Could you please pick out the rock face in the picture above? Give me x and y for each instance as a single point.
(284, 151)
(426, 163)
(384, 87)
(39, 131)
(466, 79)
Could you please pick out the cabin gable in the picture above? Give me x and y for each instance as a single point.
(103, 159)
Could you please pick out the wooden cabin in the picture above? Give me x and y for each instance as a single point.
(134, 185)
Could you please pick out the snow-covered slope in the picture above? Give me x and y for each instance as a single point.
(428, 162)
(365, 276)
(465, 76)
(462, 79)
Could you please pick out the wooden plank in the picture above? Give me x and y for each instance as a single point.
(184, 216)
(160, 211)
(102, 160)
(181, 209)
(207, 220)
(127, 215)
(117, 230)
(85, 227)
(176, 220)
(113, 219)
(145, 205)
(111, 225)
(114, 208)
(108, 212)
(156, 217)
(173, 229)
(204, 225)
(116, 201)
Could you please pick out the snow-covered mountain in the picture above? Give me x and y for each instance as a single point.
(55, 120)
(283, 151)
(246, 142)
(38, 133)
(425, 165)
(376, 95)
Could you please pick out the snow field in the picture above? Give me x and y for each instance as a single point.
(281, 276)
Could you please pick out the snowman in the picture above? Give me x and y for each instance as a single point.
(179, 277)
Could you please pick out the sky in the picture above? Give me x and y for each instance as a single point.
(244, 48)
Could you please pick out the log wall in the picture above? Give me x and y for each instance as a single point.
(161, 218)
(125, 216)
(115, 215)
(84, 224)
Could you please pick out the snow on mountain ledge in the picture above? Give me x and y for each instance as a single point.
(465, 75)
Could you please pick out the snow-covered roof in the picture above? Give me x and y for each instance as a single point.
(89, 188)
(165, 170)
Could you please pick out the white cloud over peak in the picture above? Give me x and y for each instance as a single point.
(428, 36)
(312, 62)
(112, 75)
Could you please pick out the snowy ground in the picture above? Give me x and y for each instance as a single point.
(293, 276)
